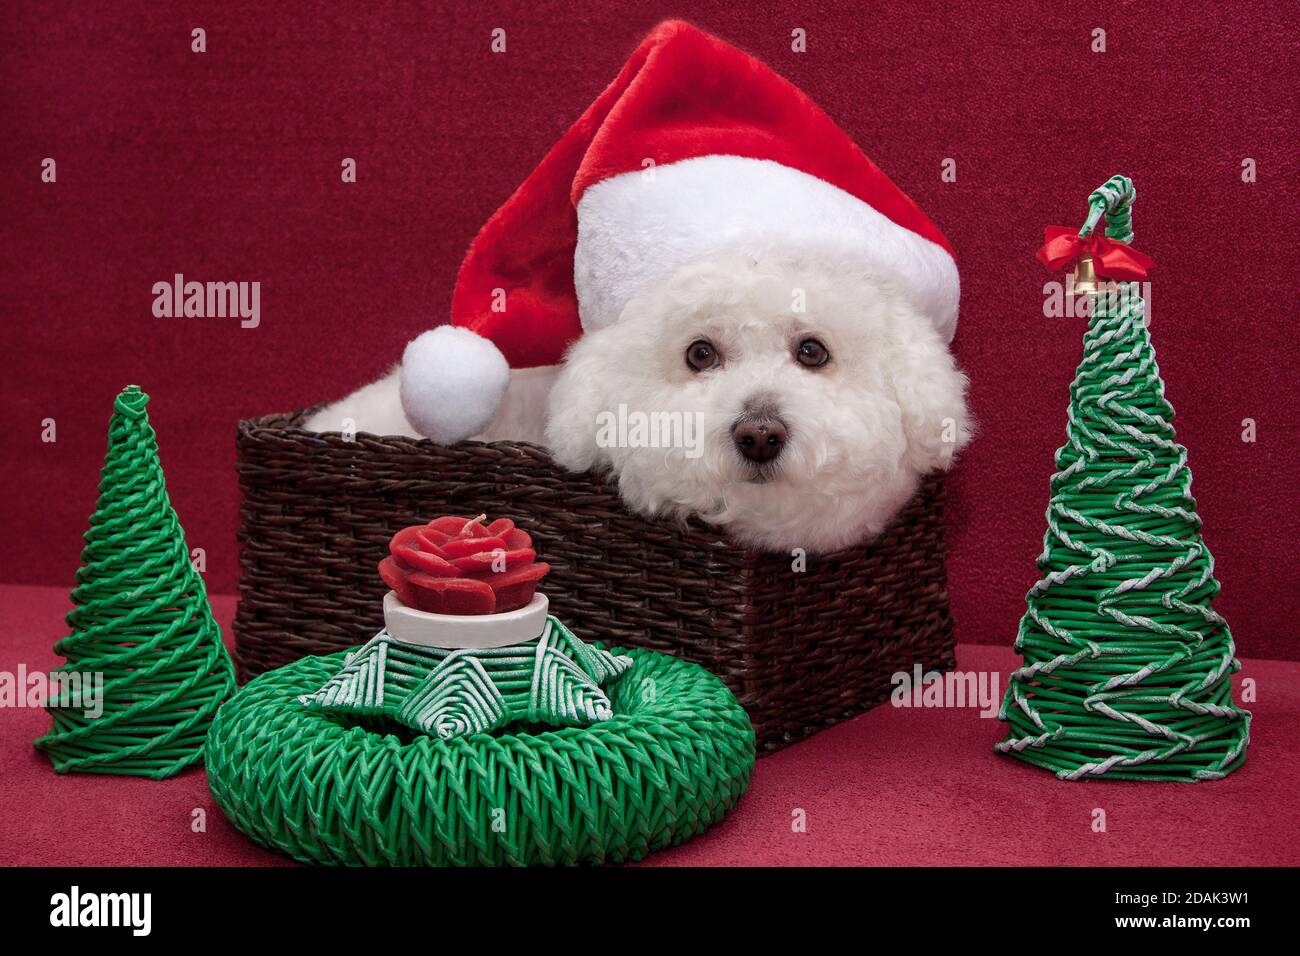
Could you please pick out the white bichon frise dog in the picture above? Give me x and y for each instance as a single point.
(794, 403)
(814, 426)
(756, 318)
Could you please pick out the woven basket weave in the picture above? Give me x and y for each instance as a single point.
(800, 650)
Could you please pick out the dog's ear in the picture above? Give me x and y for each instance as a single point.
(931, 394)
(577, 399)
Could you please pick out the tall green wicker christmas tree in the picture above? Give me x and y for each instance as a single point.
(1126, 666)
(140, 619)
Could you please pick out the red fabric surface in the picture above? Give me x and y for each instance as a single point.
(225, 166)
(893, 787)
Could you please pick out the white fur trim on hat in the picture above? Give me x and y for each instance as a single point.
(637, 228)
(452, 383)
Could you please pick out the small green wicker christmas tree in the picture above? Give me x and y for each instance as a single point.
(141, 619)
(1127, 668)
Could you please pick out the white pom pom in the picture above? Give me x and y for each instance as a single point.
(452, 382)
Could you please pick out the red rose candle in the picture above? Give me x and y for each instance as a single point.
(468, 644)
(458, 565)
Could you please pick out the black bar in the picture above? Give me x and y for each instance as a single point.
(369, 906)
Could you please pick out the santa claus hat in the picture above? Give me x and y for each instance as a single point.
(696, 148)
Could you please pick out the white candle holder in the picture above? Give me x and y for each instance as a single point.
(454, 631)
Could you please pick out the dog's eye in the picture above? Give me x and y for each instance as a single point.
(812, 354)
(701, 355)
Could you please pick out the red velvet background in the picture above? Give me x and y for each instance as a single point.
(225, 166)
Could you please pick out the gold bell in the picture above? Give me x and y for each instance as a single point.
(1085, 276)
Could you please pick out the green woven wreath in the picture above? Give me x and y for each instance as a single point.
(326, 788)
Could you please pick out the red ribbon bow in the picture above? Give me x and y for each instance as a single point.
(1114, 260)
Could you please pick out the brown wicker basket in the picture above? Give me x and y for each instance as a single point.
(801, 650)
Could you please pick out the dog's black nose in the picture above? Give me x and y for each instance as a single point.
(759, 439)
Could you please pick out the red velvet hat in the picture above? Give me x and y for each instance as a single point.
(696, 148)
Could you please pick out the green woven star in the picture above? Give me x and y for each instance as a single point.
(553, 679)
